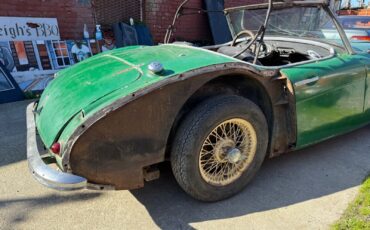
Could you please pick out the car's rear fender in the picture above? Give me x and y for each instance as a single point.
(115, 144)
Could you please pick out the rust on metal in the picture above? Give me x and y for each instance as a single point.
(121, 141)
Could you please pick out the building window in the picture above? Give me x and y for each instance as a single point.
(61, 54)
(24, 55)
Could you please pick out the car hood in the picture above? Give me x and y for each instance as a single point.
(87, 85)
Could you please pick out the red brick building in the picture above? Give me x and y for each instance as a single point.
(34, 49)
(157, 14)
(71, 14)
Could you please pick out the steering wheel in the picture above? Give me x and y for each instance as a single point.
(247, 32)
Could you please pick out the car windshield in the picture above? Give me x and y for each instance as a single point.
(301, 22)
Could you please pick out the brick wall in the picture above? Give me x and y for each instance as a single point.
(159, 14)
(71, 14)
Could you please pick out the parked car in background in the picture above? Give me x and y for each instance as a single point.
(214, 112)
(357, 29)
(9, 89)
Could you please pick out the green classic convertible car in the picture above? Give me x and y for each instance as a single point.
(214, 112)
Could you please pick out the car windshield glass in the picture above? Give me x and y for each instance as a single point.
(301, 22)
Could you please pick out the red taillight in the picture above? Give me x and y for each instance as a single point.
(55, 148)
(361, 38)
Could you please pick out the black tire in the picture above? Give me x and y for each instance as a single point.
(195, 128)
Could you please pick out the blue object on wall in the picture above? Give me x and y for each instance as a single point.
(125, 35)
(9, 89)
(217, 21)
(144, 36)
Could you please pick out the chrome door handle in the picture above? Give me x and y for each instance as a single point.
(307, 81)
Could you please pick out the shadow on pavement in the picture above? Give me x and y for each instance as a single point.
(38, 203)
(321, 170)
(13, 132)
(13, 150)
(324, 169)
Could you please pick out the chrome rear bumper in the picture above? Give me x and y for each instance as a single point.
(44, 174)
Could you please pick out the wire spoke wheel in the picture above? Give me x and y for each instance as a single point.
(219, 147)
(227, 152)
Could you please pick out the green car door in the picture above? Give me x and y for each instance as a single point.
(330, 96)
(367, 97)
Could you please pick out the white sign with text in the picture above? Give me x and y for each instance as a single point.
(28, 29)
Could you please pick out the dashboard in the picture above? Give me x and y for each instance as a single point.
(280, 51)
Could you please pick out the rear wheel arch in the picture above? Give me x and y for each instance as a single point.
(244, 85)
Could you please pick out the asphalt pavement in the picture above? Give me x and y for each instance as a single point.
(307, 189)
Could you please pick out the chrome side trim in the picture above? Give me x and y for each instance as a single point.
(307, 81)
